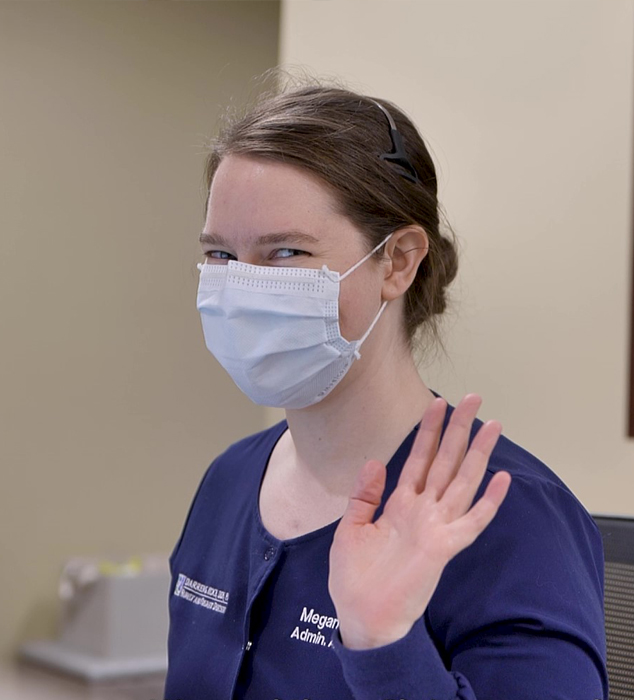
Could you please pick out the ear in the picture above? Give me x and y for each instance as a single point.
(406, 249)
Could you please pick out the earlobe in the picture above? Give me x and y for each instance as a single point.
(407, 249)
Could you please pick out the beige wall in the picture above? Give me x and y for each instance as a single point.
(527, 108)
(111, 406)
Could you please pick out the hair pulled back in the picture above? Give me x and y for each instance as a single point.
(338, 134)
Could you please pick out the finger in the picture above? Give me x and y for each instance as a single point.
(459, 494)
(465, 530)
(453, 445)
(425, 446)
(366, 495)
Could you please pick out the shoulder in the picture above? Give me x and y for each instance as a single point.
(229, 485)
(531, 477)
(527, 594)
(537, 497)
(540, 560)
(539, 504)
(519, 462)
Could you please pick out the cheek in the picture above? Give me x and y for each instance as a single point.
(358, 305)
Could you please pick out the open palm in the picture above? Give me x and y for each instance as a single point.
(383, 573)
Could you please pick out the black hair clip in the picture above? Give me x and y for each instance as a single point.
(398, 155)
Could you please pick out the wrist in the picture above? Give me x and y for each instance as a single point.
(358, 637)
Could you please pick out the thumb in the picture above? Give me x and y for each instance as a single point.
(366, 494)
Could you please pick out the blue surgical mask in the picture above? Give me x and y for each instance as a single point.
(276, 331)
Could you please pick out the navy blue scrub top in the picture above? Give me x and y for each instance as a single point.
(518, 614)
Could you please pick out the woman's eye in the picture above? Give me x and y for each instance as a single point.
(219, 255)
(288, 253)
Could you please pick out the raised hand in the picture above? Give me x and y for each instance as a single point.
(383, 573)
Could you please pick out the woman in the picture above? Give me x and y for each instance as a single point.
(377, 543)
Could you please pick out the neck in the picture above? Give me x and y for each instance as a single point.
(368, 417)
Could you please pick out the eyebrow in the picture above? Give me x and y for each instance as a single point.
(267, 239)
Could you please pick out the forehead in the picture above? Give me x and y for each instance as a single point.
(251, 196)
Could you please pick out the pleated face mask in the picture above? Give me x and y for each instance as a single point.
(275, 330)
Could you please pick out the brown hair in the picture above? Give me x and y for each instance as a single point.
(338, 134)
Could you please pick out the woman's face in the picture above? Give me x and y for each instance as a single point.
(266, 213)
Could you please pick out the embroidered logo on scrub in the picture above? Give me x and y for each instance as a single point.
(201, 594)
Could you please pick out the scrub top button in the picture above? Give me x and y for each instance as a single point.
(269, 553)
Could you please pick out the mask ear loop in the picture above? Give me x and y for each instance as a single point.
(334, 276)
(357, 354)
